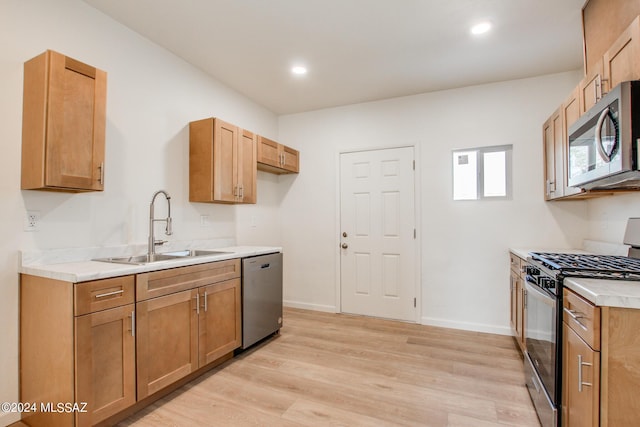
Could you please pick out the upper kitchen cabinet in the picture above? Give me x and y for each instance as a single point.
(622, 59)
(553, 156)
(277, 158)
(603, 21)
(63, 124)
(222, 162)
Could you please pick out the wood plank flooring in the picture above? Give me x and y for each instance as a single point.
(337, 370)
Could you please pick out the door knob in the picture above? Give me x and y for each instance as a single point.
(344, 246)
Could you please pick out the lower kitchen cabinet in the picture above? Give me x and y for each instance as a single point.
(105, 363)
(581, 390)
(167, 340)
(185, 330)
(219, 324)
(182, 332)
(601, 355)
(517, 300)
(76, 349)
(112, 345)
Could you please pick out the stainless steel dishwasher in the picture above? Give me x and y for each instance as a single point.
(261, 297)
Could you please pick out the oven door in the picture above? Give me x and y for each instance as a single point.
(541, 358)
(541, 335)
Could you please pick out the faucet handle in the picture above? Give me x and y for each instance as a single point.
(160, 242)
(169, 230)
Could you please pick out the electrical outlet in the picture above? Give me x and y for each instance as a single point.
(204, 221)
(32, 221)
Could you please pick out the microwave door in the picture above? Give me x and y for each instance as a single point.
(585, 162)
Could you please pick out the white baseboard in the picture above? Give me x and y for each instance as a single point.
(307, 306)
(466, 326)
(7, 418)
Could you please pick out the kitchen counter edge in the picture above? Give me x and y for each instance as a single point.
(606, 293)
(84, 271)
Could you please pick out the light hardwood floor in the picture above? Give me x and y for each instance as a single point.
(338, 370)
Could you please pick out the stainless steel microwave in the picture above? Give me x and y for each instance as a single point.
(603, 143)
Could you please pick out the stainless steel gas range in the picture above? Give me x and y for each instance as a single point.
(543, 327)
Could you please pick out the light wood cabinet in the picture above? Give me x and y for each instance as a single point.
(180, 331)
(105, 363)
(167, 340)
(553, 156)
(622, 59)
(592, 87)
(602, 23)
(600, 364)
(77, 346)
(222, 162)
(63, 124)
(277, 158)
(517, 300)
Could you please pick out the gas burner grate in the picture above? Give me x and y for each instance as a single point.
(592, 265)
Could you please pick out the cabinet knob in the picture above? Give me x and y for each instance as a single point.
(344, 246)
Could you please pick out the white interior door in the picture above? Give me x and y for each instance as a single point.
(377, 219)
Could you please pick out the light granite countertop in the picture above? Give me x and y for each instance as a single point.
(82, 271)
(606, 293)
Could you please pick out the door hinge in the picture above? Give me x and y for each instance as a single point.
(414, 233)
(414, 302)
(414, 165)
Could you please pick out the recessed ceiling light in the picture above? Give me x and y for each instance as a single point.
(481, 28)
(299, 70)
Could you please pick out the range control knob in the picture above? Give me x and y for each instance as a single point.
(531, 270)
(547, 283)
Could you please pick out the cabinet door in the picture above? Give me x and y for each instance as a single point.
(220, 320)
(167, 340)
(290, 159)
(247, 167)
(513, 279)
(553, 156)
(622, 60)
(592, 87)
(268, 152)
(520, 313)
(225, 159)
(64, 118)
(105, 363)
(581, 377)
(570, 114)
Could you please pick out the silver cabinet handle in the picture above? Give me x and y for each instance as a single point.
(108, 294)
(133, 323)
(205, 301)
(573, 314)
(580, 365)
(101, 179)
(198, 303)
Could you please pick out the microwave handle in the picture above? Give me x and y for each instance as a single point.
(603, 154)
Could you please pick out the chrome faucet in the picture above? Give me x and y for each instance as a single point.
(152, 241)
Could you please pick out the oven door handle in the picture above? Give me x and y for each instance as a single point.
(546, 298)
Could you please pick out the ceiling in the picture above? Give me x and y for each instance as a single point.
(357, 50)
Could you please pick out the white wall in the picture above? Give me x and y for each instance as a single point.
(464, 244)
(152, 95)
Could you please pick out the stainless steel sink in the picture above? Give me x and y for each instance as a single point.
(166, 256)
(138, 259)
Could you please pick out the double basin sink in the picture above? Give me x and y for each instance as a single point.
(165, 256)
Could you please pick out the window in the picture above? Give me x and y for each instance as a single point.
(482, 173)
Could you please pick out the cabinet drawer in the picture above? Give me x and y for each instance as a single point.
(583, 317)
(516, 263)
(100, 295)
(165, 282)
